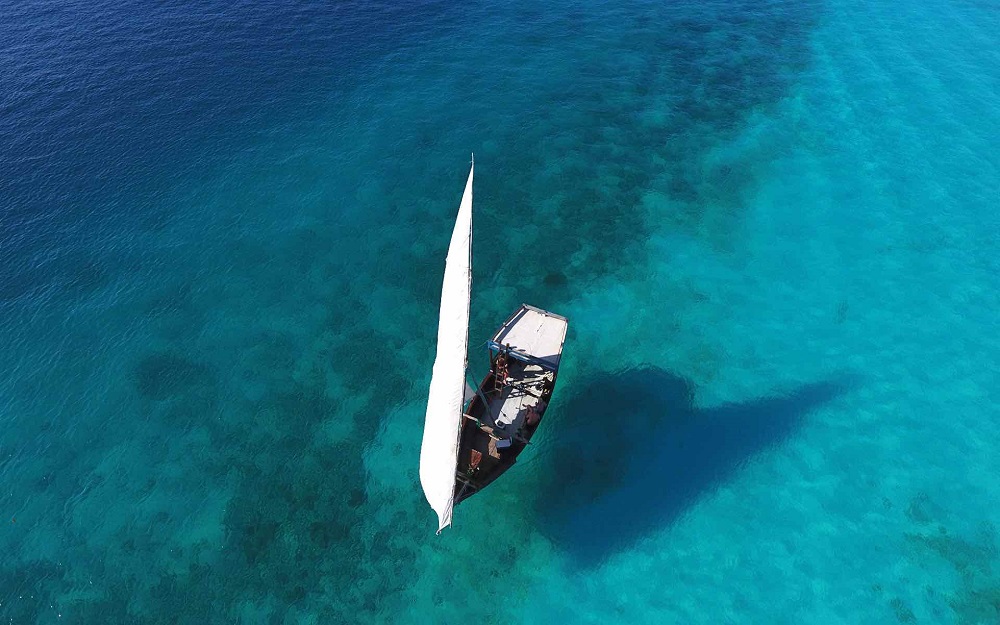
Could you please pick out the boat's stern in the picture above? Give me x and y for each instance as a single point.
(534, 336)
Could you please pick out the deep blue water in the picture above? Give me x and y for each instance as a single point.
(773, 226)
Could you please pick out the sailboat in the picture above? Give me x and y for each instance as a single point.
(473, 435)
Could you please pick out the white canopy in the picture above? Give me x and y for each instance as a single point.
(442, 424)
(534, 332)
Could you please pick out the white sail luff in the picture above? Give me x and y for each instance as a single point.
(445, 401)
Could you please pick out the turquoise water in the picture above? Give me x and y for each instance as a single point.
(772, 225)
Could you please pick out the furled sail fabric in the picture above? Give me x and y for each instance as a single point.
(442, 424)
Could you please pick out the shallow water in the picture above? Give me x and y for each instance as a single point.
(772, 226)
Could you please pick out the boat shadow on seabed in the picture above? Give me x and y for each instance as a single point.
(632, 452)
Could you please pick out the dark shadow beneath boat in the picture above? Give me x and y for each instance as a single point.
(631, 453)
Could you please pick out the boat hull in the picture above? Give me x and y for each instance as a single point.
(512, 400)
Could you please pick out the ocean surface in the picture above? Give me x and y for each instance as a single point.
(773, 226)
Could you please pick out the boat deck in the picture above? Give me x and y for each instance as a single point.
(524, 389)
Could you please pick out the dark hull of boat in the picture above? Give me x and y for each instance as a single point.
(478, 439)
(493, 461)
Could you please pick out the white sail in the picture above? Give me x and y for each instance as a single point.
(442, 424)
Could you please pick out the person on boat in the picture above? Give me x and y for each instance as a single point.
(534, 414)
